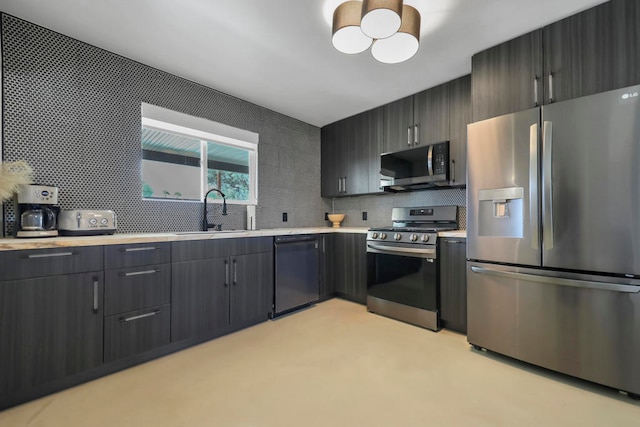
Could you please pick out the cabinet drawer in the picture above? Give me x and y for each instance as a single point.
(135, 288)
(121, 256)
(50, 262)
(136, 332)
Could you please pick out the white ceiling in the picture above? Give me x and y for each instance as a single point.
(278, 53)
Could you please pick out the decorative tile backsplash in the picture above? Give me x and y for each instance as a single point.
(72, 111)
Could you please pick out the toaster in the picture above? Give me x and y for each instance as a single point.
(86, 222)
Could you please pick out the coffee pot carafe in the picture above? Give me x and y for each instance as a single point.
(37, 211)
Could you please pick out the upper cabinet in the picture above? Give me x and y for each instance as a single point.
(459, 118)
(590, 52)
(594, 51)
(351, 155)
(507, 77)
(422, 118)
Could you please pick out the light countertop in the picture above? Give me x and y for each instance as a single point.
(8, 244)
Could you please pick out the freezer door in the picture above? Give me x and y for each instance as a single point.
(502, 189)
(591, 177)
(585, 326)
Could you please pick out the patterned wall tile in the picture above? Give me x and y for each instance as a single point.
(72, 111)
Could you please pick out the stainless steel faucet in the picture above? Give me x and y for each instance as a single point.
(205, 223)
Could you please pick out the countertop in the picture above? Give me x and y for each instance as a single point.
(8, 244)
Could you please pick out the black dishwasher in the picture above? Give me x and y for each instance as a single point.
(296, 272)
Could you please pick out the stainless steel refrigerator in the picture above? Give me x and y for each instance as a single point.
(553, 247)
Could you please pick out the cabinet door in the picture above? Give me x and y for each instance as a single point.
(350, 262)
(459, 118)
(251, 287)
(326, 265)
(431, 115)
(593, 51)
(398, 124)
(199, 297)
(50, 328)
(453, 284)
(508, 77)
(356, 138)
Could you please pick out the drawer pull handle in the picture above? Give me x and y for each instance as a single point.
(50, 255)
(140, 316)
(138, 273)
(146, 248)
(95, 295)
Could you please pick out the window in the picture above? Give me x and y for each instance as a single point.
(184, 156)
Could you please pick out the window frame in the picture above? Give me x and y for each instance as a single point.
(204, 130)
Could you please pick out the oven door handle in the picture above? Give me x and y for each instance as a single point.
(395, 250)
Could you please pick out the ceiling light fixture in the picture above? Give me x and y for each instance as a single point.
(391, 28)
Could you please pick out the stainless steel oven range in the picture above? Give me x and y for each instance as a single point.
(403, 275)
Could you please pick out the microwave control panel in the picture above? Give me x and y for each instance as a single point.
(440, 158)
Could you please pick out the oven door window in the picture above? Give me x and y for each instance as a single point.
(404, 280)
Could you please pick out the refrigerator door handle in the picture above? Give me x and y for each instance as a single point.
(587, 284)
(533, 186)
(547, 216)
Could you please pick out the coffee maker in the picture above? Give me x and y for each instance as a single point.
(37, 211)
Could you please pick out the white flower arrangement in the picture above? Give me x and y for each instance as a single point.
(11, 176)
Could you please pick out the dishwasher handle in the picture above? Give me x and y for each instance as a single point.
(295, 238)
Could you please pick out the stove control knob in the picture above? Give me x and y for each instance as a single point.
(414, 237)
(374, 235)
(425, 238)
(383, 236)
(398, 236)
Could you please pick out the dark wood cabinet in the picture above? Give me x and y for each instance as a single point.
(431, 115)
(459, 118)
(214, 294)
(350, 263)
(50, 328)
(398, 124)
(199, 297)
(419, 119)
(590, 52)
(351, 155)
(326, 268)
(593, 51)
(453, 283)
(507, 77)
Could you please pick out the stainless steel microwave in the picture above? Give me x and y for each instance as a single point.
(416, 168)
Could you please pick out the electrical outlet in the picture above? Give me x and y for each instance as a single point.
(364, 216)
(284, 217)
(326, 216)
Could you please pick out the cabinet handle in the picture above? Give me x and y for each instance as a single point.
(226, 273)
(535, 91)
(95, 295)
(140, 316)
(138, 273)
(409, 136)
(453, 172)
(146, 248)
(550, 86)
(415, 135)
(235, 273)
(51, 255)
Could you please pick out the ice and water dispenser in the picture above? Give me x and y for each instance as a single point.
(501, 212)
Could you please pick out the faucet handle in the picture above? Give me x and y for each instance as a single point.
(218, 227)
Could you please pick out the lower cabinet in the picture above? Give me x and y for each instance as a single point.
(214, 295)
(350, 264)
(50, 328)
(453, 283)
(326, 268)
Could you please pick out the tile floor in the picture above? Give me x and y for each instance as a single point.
(331, 365)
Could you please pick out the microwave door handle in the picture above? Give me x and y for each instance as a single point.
(430, 160)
